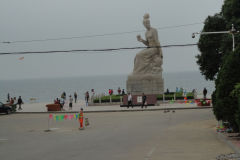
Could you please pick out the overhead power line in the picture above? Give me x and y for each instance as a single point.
(93, 50)
(97, 35)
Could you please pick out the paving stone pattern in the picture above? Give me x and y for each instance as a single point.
(230, 156)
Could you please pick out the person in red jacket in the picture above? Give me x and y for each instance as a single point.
(119, 91)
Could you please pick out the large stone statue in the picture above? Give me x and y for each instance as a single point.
(147, 73)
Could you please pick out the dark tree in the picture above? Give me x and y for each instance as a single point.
(217, 61)
(213, 47)
(209, 46)
(224, 105)
(236, 95)
(231, 12)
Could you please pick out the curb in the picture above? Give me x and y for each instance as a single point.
(110, 111)
(229, 143)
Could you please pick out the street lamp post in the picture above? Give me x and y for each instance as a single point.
(232, 32)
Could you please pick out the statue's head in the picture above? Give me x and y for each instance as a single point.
(146, 21)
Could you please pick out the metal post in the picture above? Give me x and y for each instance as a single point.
(232, 32)
(48, 130)
(233, 42)
(48, 123)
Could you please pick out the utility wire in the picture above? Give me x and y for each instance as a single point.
(93, 50)
(97, 35)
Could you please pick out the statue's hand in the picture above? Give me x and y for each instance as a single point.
(139, 38)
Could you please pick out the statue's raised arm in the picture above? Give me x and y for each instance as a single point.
(139, 38)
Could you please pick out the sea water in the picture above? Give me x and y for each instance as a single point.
(46, 90)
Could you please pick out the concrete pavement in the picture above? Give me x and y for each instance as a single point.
(185, 134)
(41, 107)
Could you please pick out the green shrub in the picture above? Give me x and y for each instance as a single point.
(106, 99)
(224, 105)
(116, 98)
(178, 96)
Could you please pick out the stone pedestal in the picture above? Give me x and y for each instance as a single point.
(149, 84)
(137, 100)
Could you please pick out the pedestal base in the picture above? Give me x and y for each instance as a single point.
(147, 84)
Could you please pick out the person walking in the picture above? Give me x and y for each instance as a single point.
(19, 102)
(8, 97)
(75, 97)
(204, 93)
(144, 99)
(86, 98)
(167, 92)
(123, 92)
(70, 102)
(129, 100)
(62, 102)
(63, 95)
(93, 95)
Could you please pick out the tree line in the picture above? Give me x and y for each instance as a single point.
(219, 63)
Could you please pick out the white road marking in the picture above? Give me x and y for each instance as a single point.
(149, 155)
(3, 139)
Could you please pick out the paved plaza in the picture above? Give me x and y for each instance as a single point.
(41, 107)
(183, 134)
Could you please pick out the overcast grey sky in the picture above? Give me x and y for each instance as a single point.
(41, 19)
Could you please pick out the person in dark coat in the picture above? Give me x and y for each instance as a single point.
(75, 97)
(123, 92)
(204, 93)
(19, 102)
(8, 97)
(86, 98)
(144, 99)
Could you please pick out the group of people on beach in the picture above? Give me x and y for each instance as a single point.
(11, 101)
